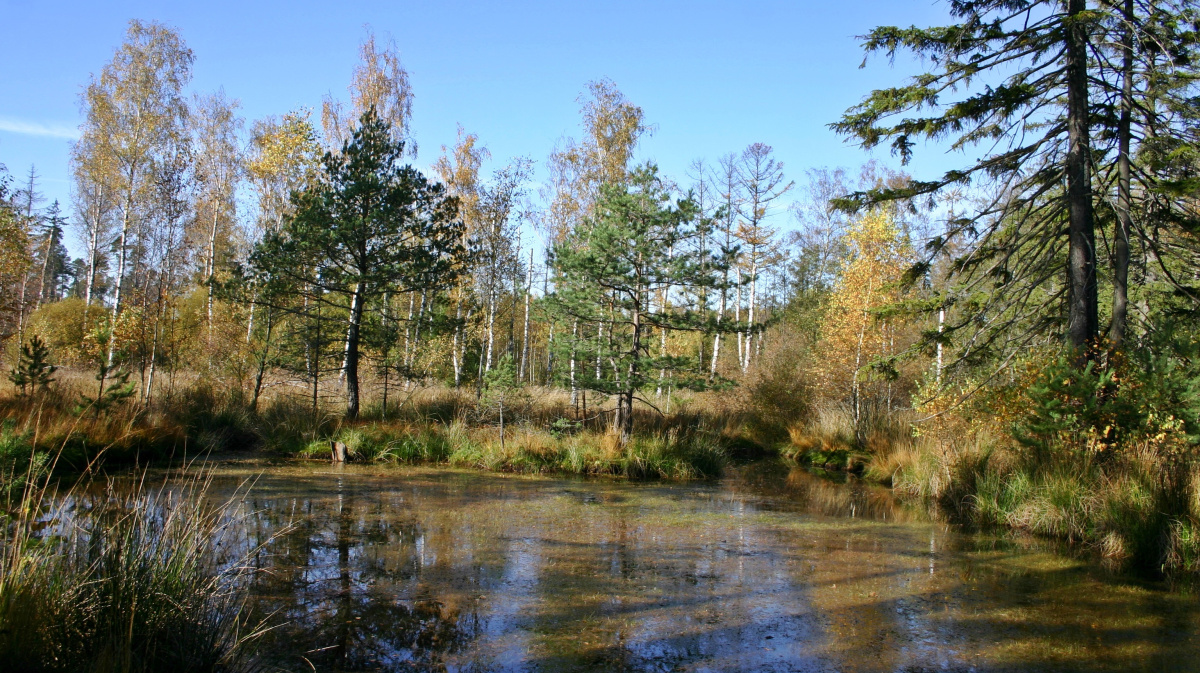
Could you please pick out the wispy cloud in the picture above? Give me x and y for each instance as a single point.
(38, 129)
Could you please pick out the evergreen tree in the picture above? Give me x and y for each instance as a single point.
(610, 270)
(54, 261)
(1024, 68)
(502, 390)
(33, 372)
(369, 226)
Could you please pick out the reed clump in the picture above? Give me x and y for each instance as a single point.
(98, 578)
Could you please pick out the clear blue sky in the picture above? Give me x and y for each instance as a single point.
(713, 77)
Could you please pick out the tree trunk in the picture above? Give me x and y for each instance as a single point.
(45, 265)
(1082, 319)
(93, 259)
(351, 371)
(153, 361)
(491, 330)
(574, 387)
(316, 362)
(716, 351)
(599, 352)
(525, 330)
(1120, 305)
(250, 319)
(750, 315)
(262, 362)
(420, 321)
(940, 328)
(455, 358)
(663, 306)
(116, 310)
(91, 274)
(624, 417)
(408, 326)
(210, 270)
(737, 316)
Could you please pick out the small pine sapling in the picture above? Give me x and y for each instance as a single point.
(33, 373)
(502, 388)
(115, 387)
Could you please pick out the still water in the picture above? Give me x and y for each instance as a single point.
(384, 569)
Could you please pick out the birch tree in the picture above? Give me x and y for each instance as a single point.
(379, 81)
(853, 334)
(134, 113)
(459, 171)
(94, 206)
(218, 168)
(498, 258)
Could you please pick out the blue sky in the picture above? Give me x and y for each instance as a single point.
(712, 77)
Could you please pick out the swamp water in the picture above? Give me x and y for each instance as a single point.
(374, 568)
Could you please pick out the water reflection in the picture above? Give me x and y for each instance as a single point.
(382, 570)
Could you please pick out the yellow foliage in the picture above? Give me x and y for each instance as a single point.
(63, 326)
(852, 334)
(14, 260)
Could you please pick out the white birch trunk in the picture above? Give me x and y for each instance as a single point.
(525, 330)
(737, 316)
(116, 311)
(750, 315)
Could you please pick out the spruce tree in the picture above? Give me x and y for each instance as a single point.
(1023, 68)
(1045, 88)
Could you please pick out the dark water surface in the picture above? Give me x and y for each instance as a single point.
(424, 569)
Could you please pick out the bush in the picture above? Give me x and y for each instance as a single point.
(60, 324)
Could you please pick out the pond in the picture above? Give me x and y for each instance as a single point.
(373, 568)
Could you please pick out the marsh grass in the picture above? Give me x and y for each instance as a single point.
(830, 438)
(96, 577)
(430, 424)
(436, 425)
(682, 451)
(1137, 510)
(106, 579)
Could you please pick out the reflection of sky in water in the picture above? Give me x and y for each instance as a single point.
(766, 571)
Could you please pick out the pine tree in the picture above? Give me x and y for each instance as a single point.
(33, 373)
(609, 271)
(369, 226)
(502, 390)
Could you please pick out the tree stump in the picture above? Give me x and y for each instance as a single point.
(339, 451)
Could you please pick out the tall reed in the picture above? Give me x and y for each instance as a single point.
(109, 579)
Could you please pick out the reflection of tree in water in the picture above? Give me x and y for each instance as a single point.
(449, 572)
(343, 589)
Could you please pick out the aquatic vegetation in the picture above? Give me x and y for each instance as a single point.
(121, 581)
(672, 454)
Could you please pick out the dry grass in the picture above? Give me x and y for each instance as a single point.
(830, 438)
